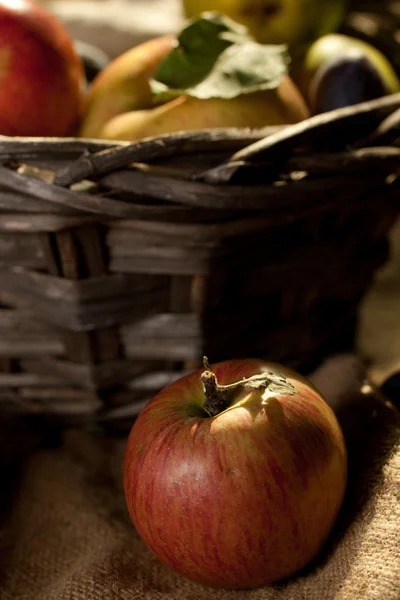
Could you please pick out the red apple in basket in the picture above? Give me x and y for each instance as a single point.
(41, 75)
(234, 476)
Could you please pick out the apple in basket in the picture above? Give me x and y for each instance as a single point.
(234, 475)
(213, 74)
(41, 75)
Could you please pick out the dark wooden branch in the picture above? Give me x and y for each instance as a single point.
(343, 126)
(296, 195)
(184, 143)
(384, 160)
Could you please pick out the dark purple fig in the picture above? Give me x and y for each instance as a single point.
(348, 79)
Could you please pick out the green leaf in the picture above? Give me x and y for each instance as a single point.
(217, 58)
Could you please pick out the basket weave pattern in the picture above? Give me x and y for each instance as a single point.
(122, 264)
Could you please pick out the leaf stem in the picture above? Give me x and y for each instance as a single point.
(217, 396)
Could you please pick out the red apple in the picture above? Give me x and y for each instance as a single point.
(236, 486)
(41, 75)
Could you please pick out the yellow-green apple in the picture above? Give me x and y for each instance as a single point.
(277, 21)
(124, 84)
(338, 46)
(234, 476)
(282, 105)
(41, 75)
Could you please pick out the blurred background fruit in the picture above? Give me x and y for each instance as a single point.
(41, 75)
(197, 80)
(270, 107)
(349, 79)
(339, 55)
(277, 21)
(123, 85)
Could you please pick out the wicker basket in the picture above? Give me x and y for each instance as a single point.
(121, 265)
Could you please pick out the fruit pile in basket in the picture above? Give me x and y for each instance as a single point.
(253, 64)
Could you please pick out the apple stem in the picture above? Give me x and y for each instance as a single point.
(216, 396)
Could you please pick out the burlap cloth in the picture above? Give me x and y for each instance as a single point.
(65, 534)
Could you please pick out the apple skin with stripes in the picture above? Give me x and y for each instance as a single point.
(242, 496)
